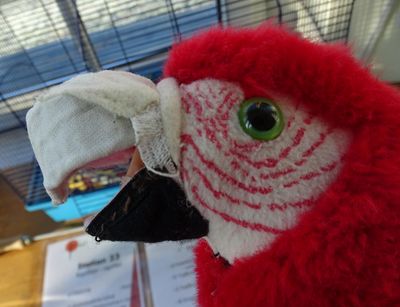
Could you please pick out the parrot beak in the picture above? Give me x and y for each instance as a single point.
(105, 115)
(152, 207)
(149, 208)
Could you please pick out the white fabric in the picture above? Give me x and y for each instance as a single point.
(91, 116)
(119, 92)
(67, 133)
(151, 141)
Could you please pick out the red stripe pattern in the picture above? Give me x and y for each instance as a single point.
(229, 175)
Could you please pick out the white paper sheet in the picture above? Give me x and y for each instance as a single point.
(80, 272)
(172, 277)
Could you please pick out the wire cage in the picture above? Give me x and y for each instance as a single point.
(46, 42)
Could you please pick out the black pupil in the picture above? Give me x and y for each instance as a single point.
(261, 116)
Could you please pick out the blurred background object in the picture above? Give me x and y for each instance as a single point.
(14, 219)
(46, 42)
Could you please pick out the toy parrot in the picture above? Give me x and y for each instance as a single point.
(282, 153)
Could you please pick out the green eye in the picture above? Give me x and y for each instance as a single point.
(261, 119)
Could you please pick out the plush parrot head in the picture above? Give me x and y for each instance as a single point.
(270, 126)
(283, 153)
(290, 151)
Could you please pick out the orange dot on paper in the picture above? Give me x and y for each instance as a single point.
(71, 246)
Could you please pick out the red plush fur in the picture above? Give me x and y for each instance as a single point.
(346, 251)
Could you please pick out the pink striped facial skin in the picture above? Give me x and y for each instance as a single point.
(251, 191)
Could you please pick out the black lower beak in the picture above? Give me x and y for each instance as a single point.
(150, 208)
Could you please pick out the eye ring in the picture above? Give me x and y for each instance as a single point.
(261, 118)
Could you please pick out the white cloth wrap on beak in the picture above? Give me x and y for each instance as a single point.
(152, 143)
(91, 117)
(157, 130)
(119, 92)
